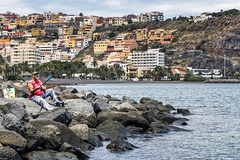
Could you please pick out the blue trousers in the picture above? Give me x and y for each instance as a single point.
(41, 99)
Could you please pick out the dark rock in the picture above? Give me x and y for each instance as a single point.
(126, 99)
(16, 107)
(67, 95)
(77, 151)
(184, 112)
(82, 111)
(53, 139)
(7, 153)
(134, 129)
(85, 133)
(66, 134)
(141, 107)
(70, 90)
(58, 114)
(131, 118)
(50, 155)
(89, 94)
(58, 90)
(149, 101)
(100, 102)
(34, 141)
(120, 145)
(168, 118)
(81, 95)
(11, 122)
(109, 126)
(13, 140)
(158, 127)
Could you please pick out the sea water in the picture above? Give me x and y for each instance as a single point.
(214, 125)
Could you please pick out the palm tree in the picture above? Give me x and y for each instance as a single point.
(120, 72)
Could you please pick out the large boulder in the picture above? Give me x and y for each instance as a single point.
(7, 153)
(120, 144)
(184, 112)
(131, 118)
(66, 134)
(77, 151)
(124, 107)
(113, 129)
(87, 134)
(13, 140)
(11, 122)
(100, 102)
(81, 111)
(51, 155)
(89, 94)
(158, 127)
(70, 90)
(53, 139)
(16, 107)
(58, 114)
(126, 99)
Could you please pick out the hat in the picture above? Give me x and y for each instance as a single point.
(35, 73)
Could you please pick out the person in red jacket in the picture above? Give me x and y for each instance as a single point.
(38, 93)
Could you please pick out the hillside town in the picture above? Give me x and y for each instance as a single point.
(43, 38)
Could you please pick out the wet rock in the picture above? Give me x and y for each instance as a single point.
(58, 114)
(13, 140)
(184, 112)
(131, 118)
(77, 151)
(149, 101)
(81, 111)
(158, 127)
(120, 145)
(109, 126)
(7, 153)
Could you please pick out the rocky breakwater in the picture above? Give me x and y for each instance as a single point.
(83, 124)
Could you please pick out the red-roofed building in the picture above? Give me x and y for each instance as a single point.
(179, 72)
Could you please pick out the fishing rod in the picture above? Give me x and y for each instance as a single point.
(57, 72)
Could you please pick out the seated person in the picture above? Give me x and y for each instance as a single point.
(38, 93)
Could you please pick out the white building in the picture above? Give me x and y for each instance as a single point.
(25, 53)
(48, 52)
(206, 73)
(202, 17)
(149, 59)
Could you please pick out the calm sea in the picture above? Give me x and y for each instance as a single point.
(215, 122)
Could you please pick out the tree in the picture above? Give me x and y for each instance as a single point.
(144, 47)
(81, 14)
(119, 72)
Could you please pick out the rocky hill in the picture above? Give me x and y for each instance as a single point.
(216, 37)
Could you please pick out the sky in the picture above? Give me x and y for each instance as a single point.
(119, 8)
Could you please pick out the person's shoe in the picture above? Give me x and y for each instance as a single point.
(60, 104)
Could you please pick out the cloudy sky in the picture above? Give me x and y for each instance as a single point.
(105, 8)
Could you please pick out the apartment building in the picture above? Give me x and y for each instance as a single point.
(32, 19)
(149, 59)
(123, 46)
(100, 47)
(36, 32)
(47, 51)
(25, 53)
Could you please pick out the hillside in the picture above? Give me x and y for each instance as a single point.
(215, 37)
